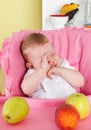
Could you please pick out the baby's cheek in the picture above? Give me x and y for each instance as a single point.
(38, 65)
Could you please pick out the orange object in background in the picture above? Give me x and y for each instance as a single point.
(87, 25)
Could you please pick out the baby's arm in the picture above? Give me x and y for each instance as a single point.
(32, 82)
(73, 77)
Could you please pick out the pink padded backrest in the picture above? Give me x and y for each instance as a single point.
(71, 43)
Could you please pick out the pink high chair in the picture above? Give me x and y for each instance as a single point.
(71, 43)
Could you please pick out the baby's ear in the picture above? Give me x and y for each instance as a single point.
(28, 65)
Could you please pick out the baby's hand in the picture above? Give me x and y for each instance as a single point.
(45, 64)
(53, 71)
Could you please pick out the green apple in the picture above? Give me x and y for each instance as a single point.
(15, 109)
(81, 103)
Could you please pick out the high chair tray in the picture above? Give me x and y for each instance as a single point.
(41, 116)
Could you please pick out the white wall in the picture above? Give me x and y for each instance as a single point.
(54, 6)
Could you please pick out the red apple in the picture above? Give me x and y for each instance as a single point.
(66, 116)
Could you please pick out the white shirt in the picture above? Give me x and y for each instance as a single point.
(56, 87)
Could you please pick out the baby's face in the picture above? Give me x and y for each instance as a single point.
(36, 54)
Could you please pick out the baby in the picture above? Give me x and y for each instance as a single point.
(48, 75)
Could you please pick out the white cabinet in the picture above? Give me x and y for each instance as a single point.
(54, 6)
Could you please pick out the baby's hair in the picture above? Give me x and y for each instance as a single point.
(36, 38)
(31, 40)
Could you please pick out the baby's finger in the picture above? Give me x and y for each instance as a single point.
(49, 76)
